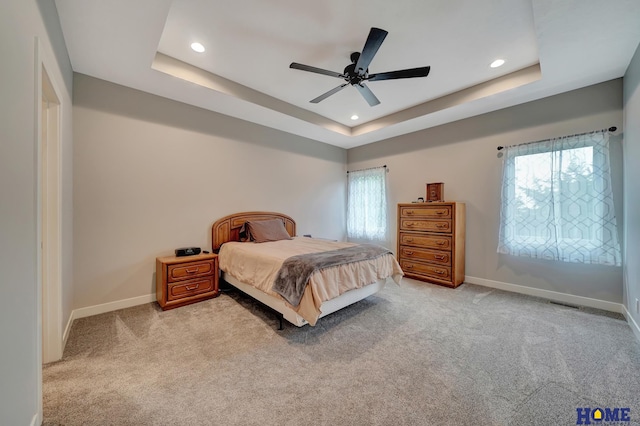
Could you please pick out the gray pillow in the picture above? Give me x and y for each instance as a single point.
(267, 230)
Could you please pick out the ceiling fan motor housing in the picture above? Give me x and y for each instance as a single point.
(351, 75)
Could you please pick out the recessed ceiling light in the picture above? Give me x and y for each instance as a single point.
(354, 117)
(197, 47)
(497, 63)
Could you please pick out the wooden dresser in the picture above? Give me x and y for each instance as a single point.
(431, 241)
(184, 280)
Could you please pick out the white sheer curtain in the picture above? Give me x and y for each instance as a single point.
(367, 204)
(557, 201)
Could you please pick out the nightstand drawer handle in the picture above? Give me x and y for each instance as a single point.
(440, 272)
(441, 225)
(409, 266)
(193, 271)
(441, 243)
(409, 212)
(441, 212)
(409, 240)
(410, 224)
(195, 287)
(408, 252)
(439, 256)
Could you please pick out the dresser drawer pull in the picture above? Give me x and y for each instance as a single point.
(410, 224)
(409, 240)
(408, 252)
(409, 212)
(440, 272)
(441, 225)
(441, 212)
(439, 256)
(409, 266)
(195, 287)
(441, 243)
(193, 271)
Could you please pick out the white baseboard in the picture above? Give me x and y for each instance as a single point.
(632, 323)
(548, 294)
(112, 306)
(67, 330)
(36, 420)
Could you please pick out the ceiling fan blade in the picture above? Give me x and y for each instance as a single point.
(309, 68)
(371, 46)
(329, 93)
(367, 94)
(393, 75)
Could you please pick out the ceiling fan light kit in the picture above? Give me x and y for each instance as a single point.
(357, 73)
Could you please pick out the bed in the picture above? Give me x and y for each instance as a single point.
(254, 268)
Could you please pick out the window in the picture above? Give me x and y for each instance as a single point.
(557, 201)
(367, 204)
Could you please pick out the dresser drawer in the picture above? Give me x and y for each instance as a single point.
(439, 272)
(441, 242)
(434, 211)
(433, 225)
(190, 288)
(431, 256)
(187, 271)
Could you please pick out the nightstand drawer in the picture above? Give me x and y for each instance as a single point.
(187, 271)
(440, 242)
(431, 256)
(431, 212)
(439, 272)
(190, 288)
(431, 225)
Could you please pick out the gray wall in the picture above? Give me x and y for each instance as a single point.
(20, 23)
(152, 174)
(632, 185)
(463, 155)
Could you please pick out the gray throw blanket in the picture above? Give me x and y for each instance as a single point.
(294, 274)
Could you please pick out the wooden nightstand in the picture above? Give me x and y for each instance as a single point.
(184, 280)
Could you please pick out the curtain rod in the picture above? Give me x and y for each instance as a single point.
(369, 168)
(610, 129)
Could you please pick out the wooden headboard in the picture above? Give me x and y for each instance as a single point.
(228, 228)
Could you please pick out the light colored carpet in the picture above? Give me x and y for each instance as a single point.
(418, 354)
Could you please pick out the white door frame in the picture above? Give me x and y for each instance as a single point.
(51, 221)
(49, 344)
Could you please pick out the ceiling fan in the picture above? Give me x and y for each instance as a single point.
(357, 72)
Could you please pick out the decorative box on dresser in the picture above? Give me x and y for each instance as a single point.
(431, 241)
(187, 279)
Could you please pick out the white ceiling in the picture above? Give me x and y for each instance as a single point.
(550, 46)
